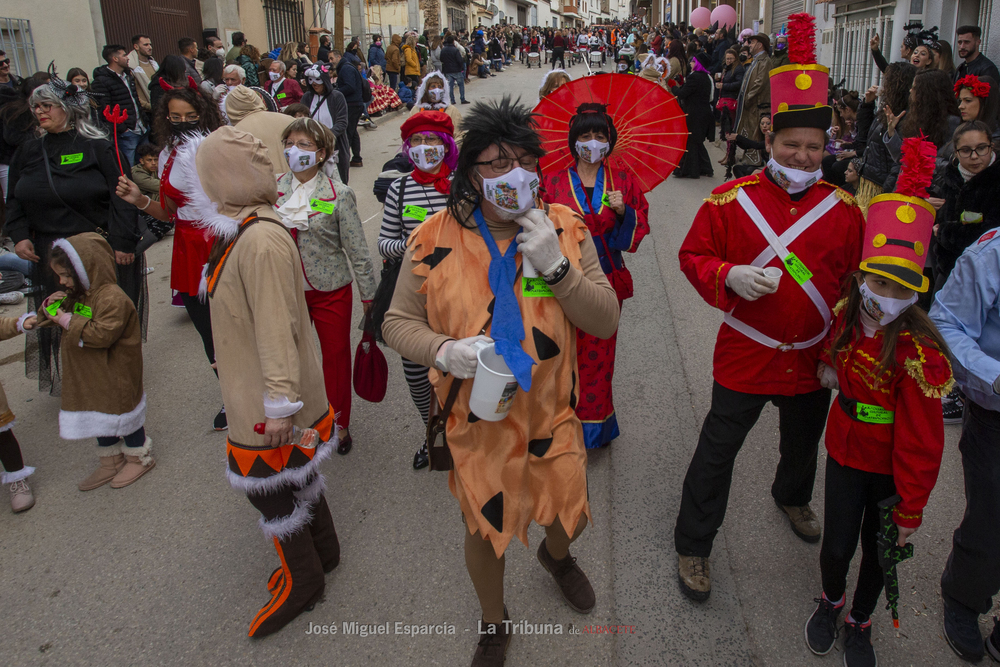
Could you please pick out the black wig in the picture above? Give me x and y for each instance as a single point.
(488, 124)
(591, 117)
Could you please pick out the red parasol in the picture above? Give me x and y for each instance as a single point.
(652, 128)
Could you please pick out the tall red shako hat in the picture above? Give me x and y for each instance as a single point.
(900, 224)
(800, 91)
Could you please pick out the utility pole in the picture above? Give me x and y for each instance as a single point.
(338, 25)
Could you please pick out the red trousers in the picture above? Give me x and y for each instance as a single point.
(331, 315)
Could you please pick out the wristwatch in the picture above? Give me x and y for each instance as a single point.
(562, 268)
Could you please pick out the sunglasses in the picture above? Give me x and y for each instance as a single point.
(5, 61)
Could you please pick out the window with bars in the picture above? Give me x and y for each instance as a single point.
(17, 43)
(285, 22)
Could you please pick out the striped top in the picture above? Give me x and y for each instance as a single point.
(397, 225)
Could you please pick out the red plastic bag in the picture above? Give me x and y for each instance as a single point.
(371, 372)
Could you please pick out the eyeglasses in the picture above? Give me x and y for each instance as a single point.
(187, 118)
(982, 150)
(502, 165)
(304, 145)
(43, 107)
(420, 139)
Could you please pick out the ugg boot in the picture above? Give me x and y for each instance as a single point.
(297, 587)
(112, 461)
(324, 536)
(138, 462)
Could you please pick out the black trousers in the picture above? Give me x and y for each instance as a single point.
(201, 316)
(10, 452)
(972, 576)
(558, 53)
(354, 112)
(710, 475)
(852, 498)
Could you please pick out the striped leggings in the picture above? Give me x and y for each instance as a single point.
(420, 386)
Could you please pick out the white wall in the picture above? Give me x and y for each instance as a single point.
(62, 30)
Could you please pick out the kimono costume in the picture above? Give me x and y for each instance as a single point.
(612, 234)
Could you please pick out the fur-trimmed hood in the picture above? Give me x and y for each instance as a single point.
(445, 101)
(92, 259)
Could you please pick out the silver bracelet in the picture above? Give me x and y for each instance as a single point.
(149, 200)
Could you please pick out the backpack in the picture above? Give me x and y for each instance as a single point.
(366, 90)
(391, 170)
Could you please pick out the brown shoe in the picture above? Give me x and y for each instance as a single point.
(573, 583)
(804, 522)
(109, 467)
(493, 643)
(137, 463)
(694, 577)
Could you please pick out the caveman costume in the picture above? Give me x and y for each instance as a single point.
(767, 350)
(268, 367)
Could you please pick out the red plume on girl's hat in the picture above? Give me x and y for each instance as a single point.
(799, 92)
(899, 226)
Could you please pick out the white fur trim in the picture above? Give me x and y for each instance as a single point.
(74, 258)
(8, 426)
(20, 320)
(200, 209)
(259, 486)
(91, 424)
(142, 452)
(23, 473)
(305, 503)
(203, 284)
(281, 407)
(550, 73)
(113, 450)
(437, 106)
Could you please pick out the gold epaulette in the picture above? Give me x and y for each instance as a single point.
(845, 197)
(931, 370)
(840, 306)
(719, 198)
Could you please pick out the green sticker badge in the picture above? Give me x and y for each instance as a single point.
(322, 206)
(85, 311)
(796, 269)
(53, 307)
(874, 414)
(281, 96)
(606, 200)
(415, 212)
(535, 287)
(72, 158)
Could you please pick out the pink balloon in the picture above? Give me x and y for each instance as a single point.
(701, 18)
(724, 15)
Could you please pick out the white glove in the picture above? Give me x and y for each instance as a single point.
(827, 376)
(539, 241)
(750, 282)
(458, 357)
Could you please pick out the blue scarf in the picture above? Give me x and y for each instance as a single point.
(508, 325)
(597, 200)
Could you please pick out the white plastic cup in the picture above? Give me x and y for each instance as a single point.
(774, 274)
(494, 386)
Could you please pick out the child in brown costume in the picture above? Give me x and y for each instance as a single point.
(102, 395)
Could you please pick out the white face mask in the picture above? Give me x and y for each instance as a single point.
(300, 160)
(592, 151)
(221, 53)
(274, 75)
(437, 94)
(622, 67)
(426, 157)
(513, 193)
(791, 180)
(882, 308)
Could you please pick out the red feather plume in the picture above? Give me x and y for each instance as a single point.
(917, 167)
(802, 39)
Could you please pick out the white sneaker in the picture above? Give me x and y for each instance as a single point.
(21, 498)
(11, 298)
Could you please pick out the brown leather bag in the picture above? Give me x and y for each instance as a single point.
(437, 420)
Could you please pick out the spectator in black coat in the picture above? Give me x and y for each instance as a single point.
(453, 67)
(973, 62)
(115, 86)
(323, 54)
(351, 86)
(327, 105)
(695, 97)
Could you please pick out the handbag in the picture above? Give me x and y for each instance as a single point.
(371, 372)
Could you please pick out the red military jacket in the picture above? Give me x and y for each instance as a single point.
(723, 235)
(909, 448)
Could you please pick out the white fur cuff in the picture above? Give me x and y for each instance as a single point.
(20, 320)
(142, 452)
(74, 258)
(77, 425)
(279, 408)
(18, 475)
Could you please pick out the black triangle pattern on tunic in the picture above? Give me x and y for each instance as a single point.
(489, 308)
(493, 511)
(545, 346)
(260, 469)
(433, 259)
(472, 417)
(539, 447)
(297, 458)
(234, 466)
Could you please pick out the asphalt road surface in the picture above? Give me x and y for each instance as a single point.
(170, 570)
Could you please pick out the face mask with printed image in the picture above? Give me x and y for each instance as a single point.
(274, 75)
(513, 193)
(300, 160)
(592, 151)
(884, 309)
(426, 158)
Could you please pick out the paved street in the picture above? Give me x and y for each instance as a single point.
(170, 570)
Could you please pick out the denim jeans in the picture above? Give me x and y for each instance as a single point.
(11, 262)
(456, 78)
(127, 143)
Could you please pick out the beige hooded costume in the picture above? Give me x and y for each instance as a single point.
(247, 112)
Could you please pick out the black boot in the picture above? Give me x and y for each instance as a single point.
(324, 536)
(298, 587)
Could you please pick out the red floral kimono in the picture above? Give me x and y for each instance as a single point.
(612, 235)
